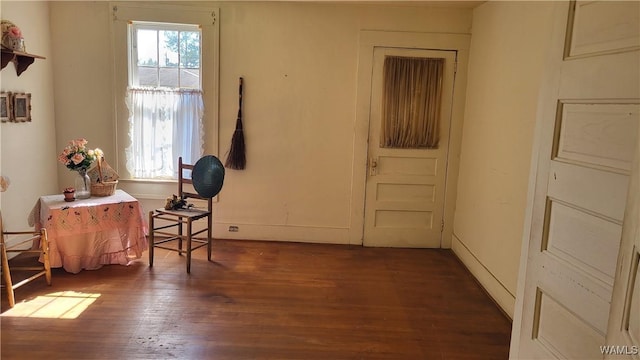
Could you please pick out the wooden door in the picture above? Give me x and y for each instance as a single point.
(587, 134)
(404, 195)
(623, 333)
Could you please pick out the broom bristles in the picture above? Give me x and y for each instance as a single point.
(237, 159)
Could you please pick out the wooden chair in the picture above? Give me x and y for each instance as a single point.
(24, 245)
(159, 235)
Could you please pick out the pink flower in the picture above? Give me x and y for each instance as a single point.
(62, 158)
(15, 32)
(77, 158)
(79, 142)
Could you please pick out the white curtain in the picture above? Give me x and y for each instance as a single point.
(164, 124)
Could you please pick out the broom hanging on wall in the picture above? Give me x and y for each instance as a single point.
(236, 159)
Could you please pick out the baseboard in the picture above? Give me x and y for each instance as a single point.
(294, 233)
(493, 287)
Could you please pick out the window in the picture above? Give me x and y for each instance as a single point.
(164, 99)
(165, 88)
(165, 55)
(411, 101)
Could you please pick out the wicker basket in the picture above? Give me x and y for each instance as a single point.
(105, 188)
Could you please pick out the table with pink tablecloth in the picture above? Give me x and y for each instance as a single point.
(89, 233)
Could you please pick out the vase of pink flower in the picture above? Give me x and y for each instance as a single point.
(77, 157)
(83, 185)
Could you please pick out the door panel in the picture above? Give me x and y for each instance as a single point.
(588, 124)
(598, 134)
(584, 239)
(405, 188)
(561, 330)
(599, 27)
(623, 335)
(602, 192)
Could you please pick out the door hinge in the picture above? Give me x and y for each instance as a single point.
(455, 67)
(442, 226)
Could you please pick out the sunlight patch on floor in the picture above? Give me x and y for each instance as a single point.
(58, 305)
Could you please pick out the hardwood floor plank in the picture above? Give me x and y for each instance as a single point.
(263, 300)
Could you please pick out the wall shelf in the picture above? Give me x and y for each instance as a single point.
(22, 60)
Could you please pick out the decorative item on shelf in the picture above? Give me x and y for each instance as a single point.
(69, 194)
(11, 36)
(13, 48)
(103, 178)
(77, 157)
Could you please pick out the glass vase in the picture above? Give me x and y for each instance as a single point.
(83, 185)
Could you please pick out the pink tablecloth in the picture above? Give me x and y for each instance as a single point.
(89, 233)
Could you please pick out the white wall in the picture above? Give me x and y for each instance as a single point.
(28, 150)
(299, 62)
(80, 40)
(508, 49)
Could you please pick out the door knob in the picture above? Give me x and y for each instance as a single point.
(373, 165)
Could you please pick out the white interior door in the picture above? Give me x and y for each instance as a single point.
(623, 333)
(405, 188)
(588, 132)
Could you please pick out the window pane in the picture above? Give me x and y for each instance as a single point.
(190, 78)
(411, 102)
(147, 42)
(168, 77)
(163, 55)
(168, 44)
(147, 76)
(189, 49)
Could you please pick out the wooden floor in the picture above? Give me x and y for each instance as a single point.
(261, 300)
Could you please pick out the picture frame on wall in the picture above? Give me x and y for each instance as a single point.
(6, 110)
(21, 107)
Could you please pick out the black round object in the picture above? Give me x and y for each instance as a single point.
(208, 176)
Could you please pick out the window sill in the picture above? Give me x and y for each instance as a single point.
(149, 181)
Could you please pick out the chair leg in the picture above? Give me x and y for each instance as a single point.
(151, 238)
(189, 231)
(180, 236)
(209, 236)
(44, 243)
(7, 276)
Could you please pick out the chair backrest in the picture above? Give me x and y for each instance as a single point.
(1, 231)
(2, 236)
(182, 181)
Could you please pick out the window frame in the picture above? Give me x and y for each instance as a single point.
(123, 14)
(159, 26)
